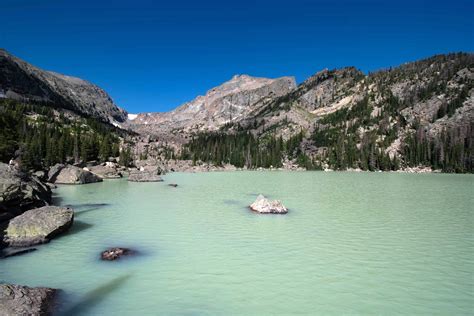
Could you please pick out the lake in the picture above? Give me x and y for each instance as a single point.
(352, 243)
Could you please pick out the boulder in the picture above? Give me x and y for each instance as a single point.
(38, 226)
(20, 192)
(23, 300)
(144, 176)
(115, 253)
(75, 175)
(263, 205)
(54, 171)
(174, 185)
(107, 171)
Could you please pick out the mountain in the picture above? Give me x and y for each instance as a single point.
(418, 114)
(22, 81)
(230, 102)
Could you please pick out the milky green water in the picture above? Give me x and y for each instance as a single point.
(352, 243)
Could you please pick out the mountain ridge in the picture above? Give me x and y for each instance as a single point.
(22, 81)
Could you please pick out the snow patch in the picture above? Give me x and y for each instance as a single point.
(131, 117)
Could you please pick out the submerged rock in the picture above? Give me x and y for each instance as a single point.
(38, 226)
(23, 300)
(144, 176)
(115, 253)
(75, 175)
(174, 185)
(265, 206)
(20, 192)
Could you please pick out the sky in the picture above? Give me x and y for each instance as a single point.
(155, 55)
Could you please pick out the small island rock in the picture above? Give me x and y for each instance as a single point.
(115, 253)
(24, 300)
(263, 205)
(38, 226)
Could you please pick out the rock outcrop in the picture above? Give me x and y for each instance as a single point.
(106, 171)
(23, 300)
(144, 176)
(22, 81)
(228, 102)
(20, 192)
(263, 205)
(115, 253)
(38, 226)
(72, 175)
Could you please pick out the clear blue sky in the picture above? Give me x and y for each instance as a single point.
(155, 55)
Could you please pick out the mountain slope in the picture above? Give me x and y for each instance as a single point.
(22, 81)
(418, 114)
(229, 102)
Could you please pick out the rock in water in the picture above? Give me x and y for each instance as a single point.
(115, 253)
(144, 176)
(38, 226)
(265, 206)
(22, 300)
(75, 175)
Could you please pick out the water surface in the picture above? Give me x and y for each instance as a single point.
(353, 243)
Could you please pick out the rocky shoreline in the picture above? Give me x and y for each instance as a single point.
(23, 300)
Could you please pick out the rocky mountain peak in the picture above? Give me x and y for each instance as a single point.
(227, 102)
(22, 81)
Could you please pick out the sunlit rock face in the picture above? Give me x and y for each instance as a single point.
(38, 226)
(226, 103)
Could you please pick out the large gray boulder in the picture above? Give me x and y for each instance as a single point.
(23, 300)
(38, 226)
(263, 205)
(75, 175)
(144, 176)
(20, 192)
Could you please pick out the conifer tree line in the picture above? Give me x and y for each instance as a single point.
(38, 139)
(243, 149)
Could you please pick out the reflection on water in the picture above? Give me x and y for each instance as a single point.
(94, 297)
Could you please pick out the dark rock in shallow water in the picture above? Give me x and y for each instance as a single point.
(23, 300)
(38, 226)
(20, 192)
(173, 185)
(115, 253)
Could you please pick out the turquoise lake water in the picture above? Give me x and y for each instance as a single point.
(352, 243)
